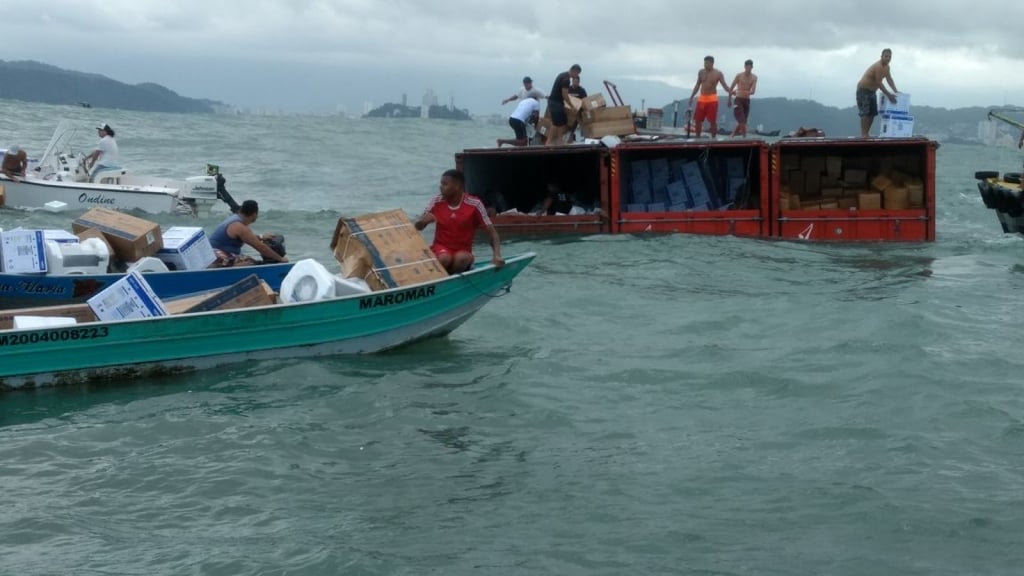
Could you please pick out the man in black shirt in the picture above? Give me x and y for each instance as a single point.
(556, 104)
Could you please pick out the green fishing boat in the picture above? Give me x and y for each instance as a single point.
(357, 324)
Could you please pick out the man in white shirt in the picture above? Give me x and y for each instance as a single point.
(105, 155)
(528, 91)
(527, 111)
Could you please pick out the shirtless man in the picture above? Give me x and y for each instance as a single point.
(708, 79)
(870, 83)
(15, 163)
(743, 87)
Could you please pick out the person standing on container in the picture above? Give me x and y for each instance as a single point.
(526, 112)
(528, 91)
(870, 83)
(456, 216)
(556, 104)
(743, 87)
(708, 79)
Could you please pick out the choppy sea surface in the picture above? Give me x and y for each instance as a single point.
(636, 405)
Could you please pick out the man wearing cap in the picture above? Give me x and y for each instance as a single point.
(105, 155)
(15, 163)
(526, 112)
(528, 91)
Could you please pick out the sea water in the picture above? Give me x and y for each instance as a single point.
(636, 405)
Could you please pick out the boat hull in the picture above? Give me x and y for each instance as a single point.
(31, 193)
(1006, 199)
(26, 290)
(353, 325)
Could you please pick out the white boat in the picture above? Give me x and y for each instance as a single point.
(59, 180)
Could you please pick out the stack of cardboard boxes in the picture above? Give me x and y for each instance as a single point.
(598, 120)
(897, 122)
(385, 250)
(835, 183)
(127, 238)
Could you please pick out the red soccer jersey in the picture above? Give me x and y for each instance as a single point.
(455, 227)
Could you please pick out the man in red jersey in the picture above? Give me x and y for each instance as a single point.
(457, 215)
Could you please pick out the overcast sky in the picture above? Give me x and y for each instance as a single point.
(310, 55)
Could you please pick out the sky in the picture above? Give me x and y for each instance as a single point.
(324, 56)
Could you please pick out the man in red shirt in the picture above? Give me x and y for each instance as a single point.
(457, 215)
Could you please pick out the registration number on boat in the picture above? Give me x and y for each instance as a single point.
(62, 335)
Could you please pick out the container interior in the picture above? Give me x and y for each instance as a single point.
(519, 179)
(691, 179)
(872, 175)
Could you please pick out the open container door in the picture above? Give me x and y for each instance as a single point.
(854, 190)
(691, 187)
(514, 183)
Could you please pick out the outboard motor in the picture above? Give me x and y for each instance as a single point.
(222, 193)
(276, 243)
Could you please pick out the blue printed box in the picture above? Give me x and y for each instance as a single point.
(128, 298)
(23, 252)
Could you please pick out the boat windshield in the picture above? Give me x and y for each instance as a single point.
(60, 143)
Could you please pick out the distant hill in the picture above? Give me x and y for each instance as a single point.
(37, 82)
(787, 115)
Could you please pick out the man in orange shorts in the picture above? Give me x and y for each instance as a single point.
(708, 79)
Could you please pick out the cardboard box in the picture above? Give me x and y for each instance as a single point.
(23, 252)
(385, 250)
(609, 128)
(812, 183)
(131, 238)
(881, 182)
(896, 126)
(901, 106)
(896, 198)
(80, 312)
(814, 164)
(594, 101)
(186, 248)
(915, 193)
(607, 114)
(834, 166)
(128, 298)
(845, 203)
(246, 293)
(855, 177)
(869, 201)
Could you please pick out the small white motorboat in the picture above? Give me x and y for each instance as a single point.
(60, 179)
